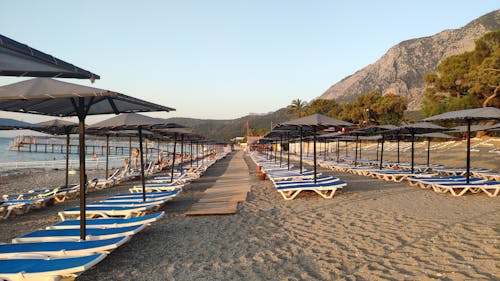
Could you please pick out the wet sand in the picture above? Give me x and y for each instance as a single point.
(371, 230)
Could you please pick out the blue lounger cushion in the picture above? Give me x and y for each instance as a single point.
(109, 222)
(46, 269)
(148, 195)
(61, 248)
(74, 234)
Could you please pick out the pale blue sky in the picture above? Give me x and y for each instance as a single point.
(223, 59)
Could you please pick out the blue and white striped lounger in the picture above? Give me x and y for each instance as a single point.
(74, 234)
(491, 188)
(325, 190)
(114, 203)
(319, 180)
(105, 212)
(109, 222)
(46, 269)
(149, 195)
(61, 248)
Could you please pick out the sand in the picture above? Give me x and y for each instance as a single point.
(371, 230)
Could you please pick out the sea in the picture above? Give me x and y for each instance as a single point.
(13, 161)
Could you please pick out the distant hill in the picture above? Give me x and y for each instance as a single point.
(227, 129)
(401, 69)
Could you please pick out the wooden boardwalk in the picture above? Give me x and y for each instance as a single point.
(229, 189)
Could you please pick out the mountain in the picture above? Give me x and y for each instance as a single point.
(227, 129)
(401, 70)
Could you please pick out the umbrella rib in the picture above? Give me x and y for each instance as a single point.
(113, 105)
(89, 105)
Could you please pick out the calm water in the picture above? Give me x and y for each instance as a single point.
(13, 161)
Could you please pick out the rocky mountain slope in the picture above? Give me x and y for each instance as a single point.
(401, 69)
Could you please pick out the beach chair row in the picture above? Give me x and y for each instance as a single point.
(290, 181)
(57, 251)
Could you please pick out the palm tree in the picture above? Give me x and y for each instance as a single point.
(297, 108)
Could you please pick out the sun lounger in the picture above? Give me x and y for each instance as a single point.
(325, 190)
(132, 203)
(319, 180)
(50, 235)
(149, 195)
(491, 188)
(427, 183)
(109, 222)
(398, 175)
(8, 209)
(157, 187)
(46, 268)
(105, 212)
(61, 248)
(489, 175)
(101, 183)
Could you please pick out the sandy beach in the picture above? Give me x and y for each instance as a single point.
(371, 230)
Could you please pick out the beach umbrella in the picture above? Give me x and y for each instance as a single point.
(375, 130)
(17, 59)
(51, 97)
(430, 136)
(173, 132)
(413, 129)
(468, 116)
(317, 122)
(134, 121)
(60, 127)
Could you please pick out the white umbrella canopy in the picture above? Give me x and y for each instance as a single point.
(47, 96)
(468, 116)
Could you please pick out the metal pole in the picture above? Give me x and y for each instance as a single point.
(398, 149)
(381, 152)
(428, 150)
(468, 151)
(356, 152)
(300, 162)
(143, 180)
(173, 159)
(83, 176)
(182, 153)
(281, 149)
(288, 152)
(67, 160)
(338, 150)
(191, 153)
(107, 156)
(412, 152)
(314, 151)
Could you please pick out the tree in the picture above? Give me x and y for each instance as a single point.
(466, 80)
(297, 108)
(322, 106)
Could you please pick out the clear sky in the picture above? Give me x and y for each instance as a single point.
(224, 59)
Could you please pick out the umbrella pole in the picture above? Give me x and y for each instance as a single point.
(356, 152)
(107, 156)
(288, 152)
(158, 152)
(381, 153)
(360, 150)
(338, 150)
(428, 151)
(173, 159)
(314, 151)
(398, 149)
(326, 150)
(378, 143)
(67, 160)
(300, 162)
(197, 153)
(346, 149)
(182, 153)
(143, 180)
(130, 148)
(468, 151)
(275, 148)
(191, 153)
(281, 149)
(83, 180)
(412, 152)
